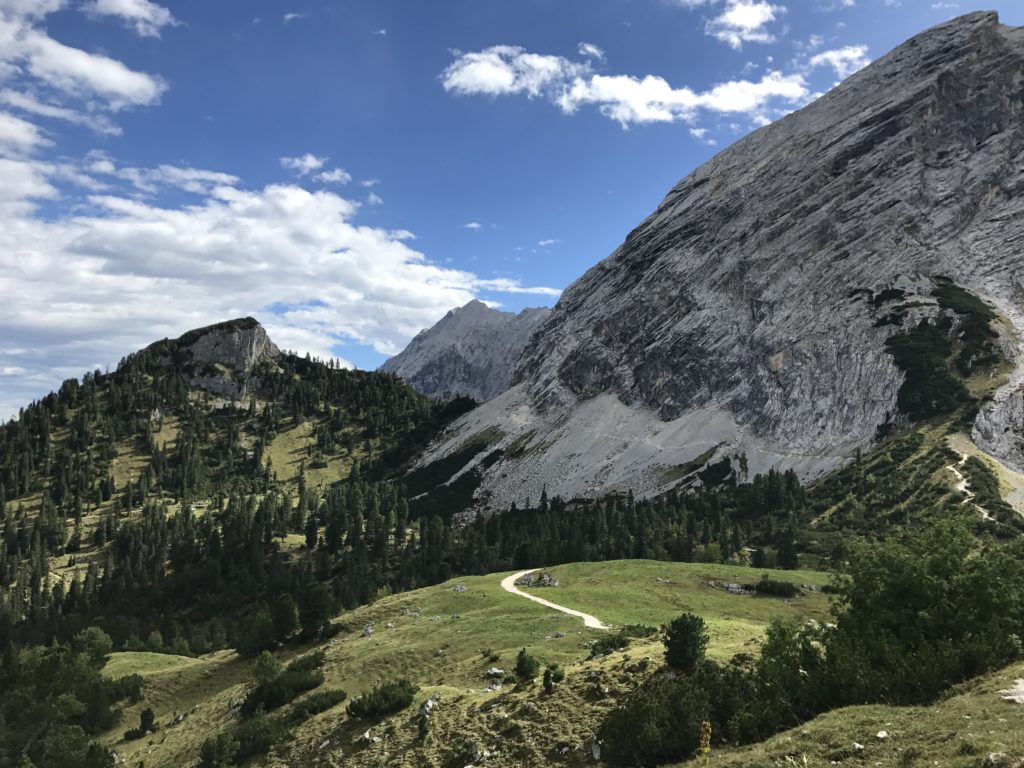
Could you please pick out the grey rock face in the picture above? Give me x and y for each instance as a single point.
(471, 351)
(224, 359)
(743, 315)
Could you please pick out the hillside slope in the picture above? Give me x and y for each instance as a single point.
(754, 312)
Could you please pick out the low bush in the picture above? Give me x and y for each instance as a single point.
(775, 588)
(384, 699)
(318, 702)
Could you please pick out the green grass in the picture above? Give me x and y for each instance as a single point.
(628, 592)
(145, 663)
(443, 655)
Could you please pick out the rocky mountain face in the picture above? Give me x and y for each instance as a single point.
(223, 359)
(471, 351)
(748, 315)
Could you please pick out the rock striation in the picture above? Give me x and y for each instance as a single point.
(471, 351)
(746, 316)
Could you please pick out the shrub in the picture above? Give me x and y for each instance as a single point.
(316, 703)
(553, 675)
(658, 722)
(384, 699)
(147, 724)
(609, 643)
(686, 640)
(774, 588)
(527, 666)
(275, 688)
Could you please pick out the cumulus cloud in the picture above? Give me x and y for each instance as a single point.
(72, 72)
(82, 291)
(591, 51)
(334, 176)
(504, 70)
(304, 164)
(145, 17)
(290, 17)
(99, 257)
(374, 199)
(472, 225)
(844, 61)
(744, 21)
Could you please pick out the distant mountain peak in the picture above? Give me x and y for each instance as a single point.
(471, 351)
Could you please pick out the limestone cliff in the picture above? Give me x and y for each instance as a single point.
(748, 315)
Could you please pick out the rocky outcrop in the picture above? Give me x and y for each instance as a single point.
(471, 351)
(743, 317)
(224, 359)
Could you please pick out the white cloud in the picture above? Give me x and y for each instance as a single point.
(19, 136)
(549, 241)
(369, 183)
(374, 199)
(506, 69)
(304, 164)
(145, 17)
(382, 32)
(91, 77)
(334, 176)
(591, 51)
(27, 103)
(744, 21)
(132, 271)
(508, 285)
(472, 225)
(629, 100)
(290, 17)
(845, 61)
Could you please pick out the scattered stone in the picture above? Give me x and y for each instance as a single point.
(1014, 695)
(732, 587)
(368, 630)
(538, 579)
(456, 615)
(459, 588)
(882, 735)
(324, 745)
(858, 747)
(595, 749)
(495, 672)
(391, 625)
(559, 634)
(996, 760)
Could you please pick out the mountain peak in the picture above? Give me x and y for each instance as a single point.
(732, 321)
(221, 358)
(471, 351)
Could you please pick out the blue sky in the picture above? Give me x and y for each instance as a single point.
(348, 171)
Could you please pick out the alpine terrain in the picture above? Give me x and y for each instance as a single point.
(759, 311)
(750, 494)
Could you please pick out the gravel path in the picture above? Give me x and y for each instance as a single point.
(509, 585)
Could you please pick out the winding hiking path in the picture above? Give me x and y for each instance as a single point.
(509, 585)
(962, 486)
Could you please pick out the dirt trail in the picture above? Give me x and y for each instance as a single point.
(961, 485)
(509, 585)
